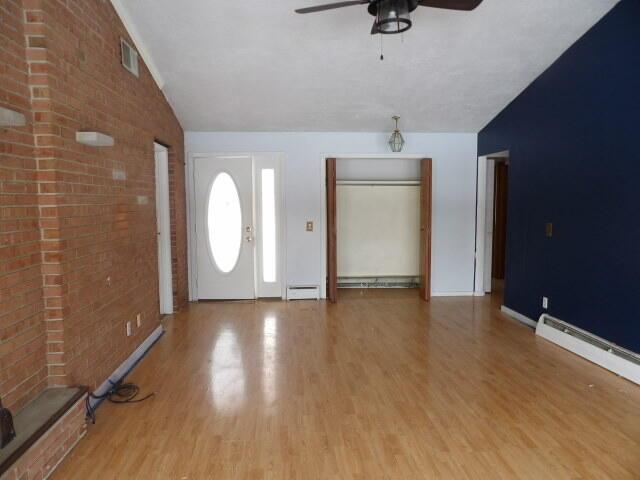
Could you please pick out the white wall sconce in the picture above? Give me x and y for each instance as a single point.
(94, 139)
(11, 118)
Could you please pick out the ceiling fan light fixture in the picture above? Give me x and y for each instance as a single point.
(393, 16)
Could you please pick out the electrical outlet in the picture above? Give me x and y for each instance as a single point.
(309, 226)
(545, 302)
(129, 329)
(139, 320)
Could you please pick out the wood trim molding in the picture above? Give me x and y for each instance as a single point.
(425, 228)
(332, 241)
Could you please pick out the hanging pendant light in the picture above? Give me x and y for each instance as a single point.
(396, 142)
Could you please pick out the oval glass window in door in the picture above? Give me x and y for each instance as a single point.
(224, 219)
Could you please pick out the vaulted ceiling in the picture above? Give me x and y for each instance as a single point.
(255, 65)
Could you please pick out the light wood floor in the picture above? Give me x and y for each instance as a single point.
(380, 386)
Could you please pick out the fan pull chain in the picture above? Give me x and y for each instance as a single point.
(381, 54)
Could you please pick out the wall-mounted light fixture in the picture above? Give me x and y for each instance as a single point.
(11, 118)
(94, 139)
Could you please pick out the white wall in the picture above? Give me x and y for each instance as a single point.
(454, 193)
(378, 169)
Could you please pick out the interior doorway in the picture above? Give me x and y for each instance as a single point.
(491, 235)
(163, 220)
(378, 223)
(499, 241)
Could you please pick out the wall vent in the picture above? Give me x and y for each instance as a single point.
(595, 349)
(303, 292)
(129, 57)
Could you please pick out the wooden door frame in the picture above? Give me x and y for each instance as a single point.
(329, 233)
(426, 189)
(332, 231)
(500, 195)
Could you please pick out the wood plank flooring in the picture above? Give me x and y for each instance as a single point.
(378, 386)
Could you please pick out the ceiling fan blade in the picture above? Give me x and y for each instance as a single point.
(331, 6)
(451, 4)
(374, 28)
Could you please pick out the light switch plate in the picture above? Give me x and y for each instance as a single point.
(309, 226)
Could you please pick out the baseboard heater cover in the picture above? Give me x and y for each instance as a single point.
(379, 282)
(303, 292)
(591, 347)
(123, 370)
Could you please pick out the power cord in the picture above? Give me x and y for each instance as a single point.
(120, 392)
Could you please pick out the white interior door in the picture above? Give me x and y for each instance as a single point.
(224, 227)
(165, 280)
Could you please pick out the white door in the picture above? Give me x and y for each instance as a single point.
(165, 282)
(224, 227)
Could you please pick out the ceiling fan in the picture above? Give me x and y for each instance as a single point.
(392, 16)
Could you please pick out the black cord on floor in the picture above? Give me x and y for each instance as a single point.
(119, 392)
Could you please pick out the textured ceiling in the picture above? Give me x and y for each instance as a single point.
(255, 65)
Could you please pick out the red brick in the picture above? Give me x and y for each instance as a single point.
(42, 457)
(68, 224)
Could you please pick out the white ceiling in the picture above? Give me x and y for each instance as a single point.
(255, 65)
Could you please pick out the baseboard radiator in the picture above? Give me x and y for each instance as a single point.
(379, 282)
(595, 349)
(303, 292)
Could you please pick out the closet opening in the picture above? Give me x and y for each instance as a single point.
(378, 224)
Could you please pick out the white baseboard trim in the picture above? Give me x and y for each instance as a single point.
(127, 365)
(452, 294)
(600, 356)
(519, 317)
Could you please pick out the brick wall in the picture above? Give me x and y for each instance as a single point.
(44, 456)
(22, 336)
(98, 257)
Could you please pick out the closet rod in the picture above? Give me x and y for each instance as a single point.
(379, 182)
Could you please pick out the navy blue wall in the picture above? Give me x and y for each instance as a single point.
(574, 142)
